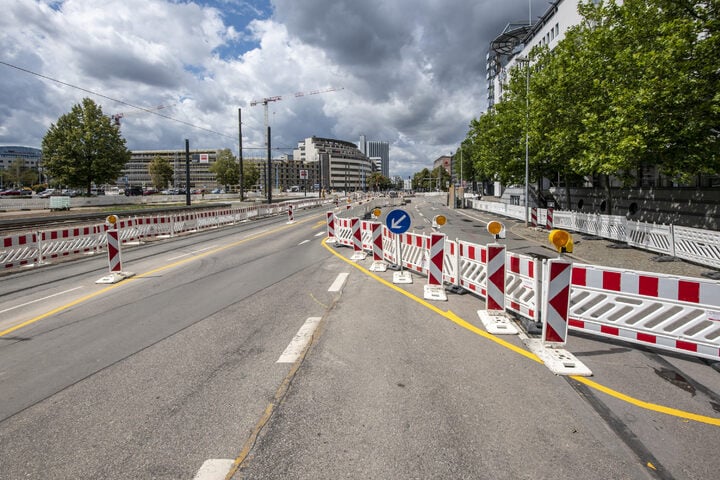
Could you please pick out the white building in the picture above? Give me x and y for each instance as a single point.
(342, 165)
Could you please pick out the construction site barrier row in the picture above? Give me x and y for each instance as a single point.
(38, 248)
(679, 314)
(691, 244)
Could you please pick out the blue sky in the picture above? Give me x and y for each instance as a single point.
(409, 72)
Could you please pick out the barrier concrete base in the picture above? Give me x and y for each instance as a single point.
(378, 267)
(402, 277)
(330, 240)
(497, 323)
(435, 292)
(359, 256)
(115, 277)
(559, 361)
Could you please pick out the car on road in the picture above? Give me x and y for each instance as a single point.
(48, 192)
(133, 191)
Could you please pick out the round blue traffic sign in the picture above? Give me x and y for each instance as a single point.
(398, 221)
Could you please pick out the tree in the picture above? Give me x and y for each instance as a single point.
(161, 172)
(226, 169)
(378, 182)
(84, 147)
(251, 174)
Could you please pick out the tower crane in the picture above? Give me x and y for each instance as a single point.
(277, 98)
(115, 117)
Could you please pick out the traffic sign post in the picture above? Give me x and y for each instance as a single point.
(398, 222)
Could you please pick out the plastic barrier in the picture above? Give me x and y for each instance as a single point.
(522, 285)
(473, 267)
(55, 244)
(414, 251)
(679, 314)
(434, 290)
(330, 227)
(19, 250)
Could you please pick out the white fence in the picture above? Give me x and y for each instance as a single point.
(691, 244)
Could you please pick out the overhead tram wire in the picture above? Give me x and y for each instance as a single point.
(115, 100)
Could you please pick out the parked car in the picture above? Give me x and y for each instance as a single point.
(218, 191)
(11, 192)
(149, 191)
(132, 191)
(48, 192)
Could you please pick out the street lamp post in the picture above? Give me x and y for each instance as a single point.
(527, 136)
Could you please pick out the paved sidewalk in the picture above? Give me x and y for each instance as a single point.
(599, 251)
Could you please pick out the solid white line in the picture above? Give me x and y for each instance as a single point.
(192, 253)
(339, 282)
(300, 341)
(304, 241)
(39, 299)
(214, 469)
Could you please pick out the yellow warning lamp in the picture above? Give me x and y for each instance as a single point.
(439, 221)
(562, 241)
(496, 229)
(376, 212)
(111, 219)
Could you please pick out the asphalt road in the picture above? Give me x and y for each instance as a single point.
(154, 376)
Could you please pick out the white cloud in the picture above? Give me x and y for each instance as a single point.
(412, 71)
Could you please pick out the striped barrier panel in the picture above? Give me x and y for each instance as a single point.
(680, 314)
(533, 217)
(436, 259)
(19, 250)
(54, 244)
(113, 248)
(451, 262)
(377, 241)
(414, 251)
(472, 268)
(330, 226)
(656, 238)
(549, 224)
(696, 245)
(343, 231)
(495, 300)
(389, 240)
(522, 285)
(366, 233)
(555, 301)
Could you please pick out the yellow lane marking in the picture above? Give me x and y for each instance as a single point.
(146, 274)
(468, 326)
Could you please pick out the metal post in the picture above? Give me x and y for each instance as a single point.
(187, 172)
(240, 154)
(269, 169)
(527, 140)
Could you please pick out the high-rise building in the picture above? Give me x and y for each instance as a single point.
(380, 150)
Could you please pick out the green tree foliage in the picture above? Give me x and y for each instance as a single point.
(632, 85)
(161, 172)
(251, 175)
(226, 168)
(19, 175)
(378, 182)
(84, 147)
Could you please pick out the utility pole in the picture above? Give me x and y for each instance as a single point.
(240, 153)
(269, 169)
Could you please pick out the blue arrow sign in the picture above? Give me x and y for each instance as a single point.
(398, 221)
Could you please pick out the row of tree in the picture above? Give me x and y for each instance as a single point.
(632, 86)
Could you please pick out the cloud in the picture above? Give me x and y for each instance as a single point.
(412, 72)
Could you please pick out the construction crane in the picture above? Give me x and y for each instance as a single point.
(115, 117)
(277, 98)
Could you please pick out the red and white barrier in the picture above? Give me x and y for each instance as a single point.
(19, 250)
(534, 217)
(494, 317)
(330, 227)
(556, 300)
(549, 220)
(434, 289)
(113, 248)
(378, 264)
(496, 278)
(679, 314)
(358, 253)
(291, 217)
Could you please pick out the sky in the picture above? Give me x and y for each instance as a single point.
(407, 72)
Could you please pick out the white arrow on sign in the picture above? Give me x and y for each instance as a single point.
(397, 222)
